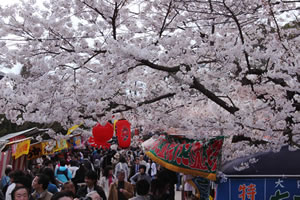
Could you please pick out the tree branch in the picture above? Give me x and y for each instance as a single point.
(198, 86)
(159, 67)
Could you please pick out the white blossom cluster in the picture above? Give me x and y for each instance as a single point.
(223, 67)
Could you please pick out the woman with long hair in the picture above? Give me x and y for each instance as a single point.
(107, 179)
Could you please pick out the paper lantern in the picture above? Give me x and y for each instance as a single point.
(123, 133)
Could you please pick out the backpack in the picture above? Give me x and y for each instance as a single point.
(65, 172)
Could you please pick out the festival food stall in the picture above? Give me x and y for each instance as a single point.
(20, 148)
(262, 176)
(15, 147)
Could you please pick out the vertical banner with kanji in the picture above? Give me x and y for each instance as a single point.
(22, 149)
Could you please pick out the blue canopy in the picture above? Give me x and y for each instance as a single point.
(282, 163)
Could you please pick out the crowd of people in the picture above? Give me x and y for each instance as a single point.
(92, 174)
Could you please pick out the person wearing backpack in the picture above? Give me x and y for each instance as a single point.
(62, 173)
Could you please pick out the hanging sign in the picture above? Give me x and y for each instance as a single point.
(61, 144)
(35, 151)
(48, 147)
(259, 188)
(22, 148)
(75, 142)
(194, 157)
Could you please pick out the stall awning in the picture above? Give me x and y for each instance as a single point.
(12, 135)
(266, 164)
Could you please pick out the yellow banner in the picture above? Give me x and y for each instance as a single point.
(22, 148)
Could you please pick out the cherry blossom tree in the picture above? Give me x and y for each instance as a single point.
(209, 67)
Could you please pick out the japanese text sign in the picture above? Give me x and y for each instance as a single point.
(198, 158)
(259, 189)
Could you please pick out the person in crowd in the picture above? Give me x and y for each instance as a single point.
(40, 185)
(52, 187)
(142, 190)
(14, 175)
(178, 181)
(169, 177)
(130, 155)
(79, 176)
(49, 164)
(130, 163)
(142, 161)
(5, 180)
(24, 181)
(140, 175)
(87, 163)
(115, 160)
(62, 173)
(1, 195)
(91, 185)
(107, 179)
(121, 189)
(97, 166)
(65, 195)
(188, 188)
(20, 193)
(73, 168)
(94, 195)
(159, 190)
(151, 169)
(122, 165)
(69, 186)
(135, 168)
(148, 167)
(74, 159)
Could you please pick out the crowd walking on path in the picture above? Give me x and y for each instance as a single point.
(90, 174)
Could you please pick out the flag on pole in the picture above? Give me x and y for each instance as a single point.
(70, 130)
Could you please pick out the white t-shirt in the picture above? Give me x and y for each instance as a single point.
(10, 188)
(73, 170)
